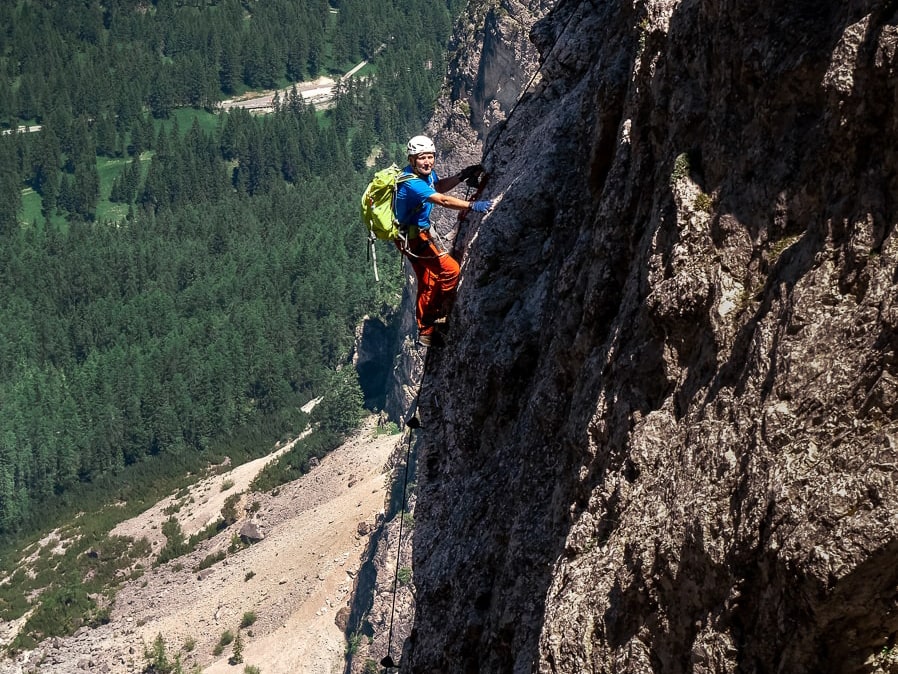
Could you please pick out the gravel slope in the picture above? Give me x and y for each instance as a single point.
(294, 581)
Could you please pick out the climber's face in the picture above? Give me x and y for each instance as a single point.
(422, 163)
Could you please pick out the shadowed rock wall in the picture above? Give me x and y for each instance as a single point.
(662, 437)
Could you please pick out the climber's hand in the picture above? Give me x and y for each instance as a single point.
(482, 206)
(468, 172)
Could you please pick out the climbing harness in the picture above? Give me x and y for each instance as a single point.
(412, 423)
(437, 243)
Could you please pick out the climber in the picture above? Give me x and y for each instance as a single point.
(436, 270)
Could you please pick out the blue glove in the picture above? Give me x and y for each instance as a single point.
(482, 206)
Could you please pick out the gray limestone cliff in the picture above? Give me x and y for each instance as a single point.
(662, 436)
(491, 62)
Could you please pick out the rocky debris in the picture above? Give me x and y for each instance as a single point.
(384, 613)
(251, 531)
(662, 435)
(342, 618)
(193, 608)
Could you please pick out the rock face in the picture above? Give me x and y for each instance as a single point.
(389, 618)
(375, 341)
(492, 61)
(405, 374)
(662, 436)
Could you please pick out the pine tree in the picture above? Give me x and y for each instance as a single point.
(229, 68)
(45, 160)
(237, 654)
(49, 196)
(104, 129)
(10, 185)
(138, 141)
(86, 190)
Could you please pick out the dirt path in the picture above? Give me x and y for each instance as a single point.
(319, 92)
(294, 581)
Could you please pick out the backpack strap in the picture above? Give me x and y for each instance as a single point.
(404, 178)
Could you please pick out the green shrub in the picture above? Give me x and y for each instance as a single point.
(59, 613)
(248, 619)
(295, 463)
(207, 532)
(352, 646)
(237, 654)
(210, 559)
(157, 658)
(389, 428)
(680, 168)
(140, 548)
(237, 543)
(175, 545)
(777, 247)
(229, 510)
(172, 508)
(13, 602)
(703, 202)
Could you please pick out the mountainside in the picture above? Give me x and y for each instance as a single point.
(662, 436)
(286, 595)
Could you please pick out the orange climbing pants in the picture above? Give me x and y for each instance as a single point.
(437, 273)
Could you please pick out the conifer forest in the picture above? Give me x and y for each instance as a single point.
(174, 277)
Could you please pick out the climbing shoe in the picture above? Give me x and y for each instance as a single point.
(431, 338)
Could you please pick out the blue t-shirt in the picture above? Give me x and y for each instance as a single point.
(412, 206)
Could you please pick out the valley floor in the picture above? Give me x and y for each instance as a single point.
(294, 581)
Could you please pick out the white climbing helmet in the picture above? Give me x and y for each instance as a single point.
(420, 145)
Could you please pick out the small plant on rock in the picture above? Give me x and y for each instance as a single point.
(680, 168)
(237, 654)
(229, 511)
(352, 646)
(226, 638)
(703, 202)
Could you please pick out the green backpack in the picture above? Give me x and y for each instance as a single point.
(378, 203)
(378, 209)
